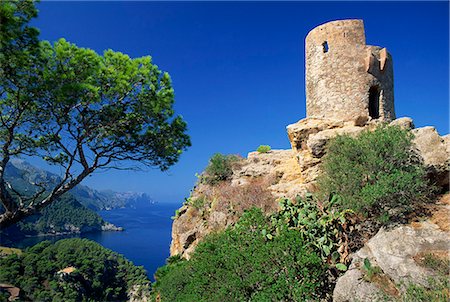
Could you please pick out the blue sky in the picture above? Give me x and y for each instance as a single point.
(238, 67)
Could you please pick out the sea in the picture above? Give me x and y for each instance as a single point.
(145, 240)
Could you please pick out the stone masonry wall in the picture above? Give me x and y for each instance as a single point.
(341, 70)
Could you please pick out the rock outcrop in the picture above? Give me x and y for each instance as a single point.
(434, 150)
(397, 254)
(258, 180)
(279, 165)
(289, 173)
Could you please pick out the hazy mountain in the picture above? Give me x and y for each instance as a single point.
(22, 176)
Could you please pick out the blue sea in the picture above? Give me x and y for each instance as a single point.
(145, 240)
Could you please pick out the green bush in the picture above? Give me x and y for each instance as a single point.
(263, 149)
(243, 264)
(375, 172)
(220, 168)
(197, 202)
(321, 228)
(100, 275)
(58, 215)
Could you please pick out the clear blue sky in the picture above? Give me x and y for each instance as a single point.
(238, 67)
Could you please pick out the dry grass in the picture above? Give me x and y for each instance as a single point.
(437, 260)
(375, 275)
(386, 285)
(235, 199)
(437, 212)
(442, 216)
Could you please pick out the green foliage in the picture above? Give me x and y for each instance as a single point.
(198, 203)
(177, 214)
(241, 264)
(100, 275)
(263, 149)
(59, 101)
(437, 290)
(374, 172)
(19, 54)
(220, 168)
(321, 228)
(123, 103)
(370, 271)
(341, 267)
(437, 264)
(59, 215)
(18, 41)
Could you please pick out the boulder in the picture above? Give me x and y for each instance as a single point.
(299, 132)
(186, 229)
(434, 151)
(279, 165)
(446, 140)
(352, 287)
(403, 122)
(394, 252)
(262, 164)
(316, 143)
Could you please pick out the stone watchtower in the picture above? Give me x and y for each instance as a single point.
(345, 78)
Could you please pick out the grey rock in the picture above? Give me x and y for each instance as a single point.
(403, 122)
(434, 151)
(317, 142)
(392, 251)
(351, 287)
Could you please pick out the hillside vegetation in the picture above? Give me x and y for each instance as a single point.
(65, 215)
(72, 270)
(297, 252)
(377, 174)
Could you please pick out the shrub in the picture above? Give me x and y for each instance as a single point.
(242, 264)
(100, 275)
(322, 228)
(263, 149)
(197, 202)
(220, 168)
(375, 171)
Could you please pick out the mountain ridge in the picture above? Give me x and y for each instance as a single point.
(24, 176)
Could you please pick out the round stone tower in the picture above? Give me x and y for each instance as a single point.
(345, 78)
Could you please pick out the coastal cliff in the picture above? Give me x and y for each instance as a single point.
(262, 179)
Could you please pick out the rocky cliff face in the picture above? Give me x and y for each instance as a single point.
(262, 178)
